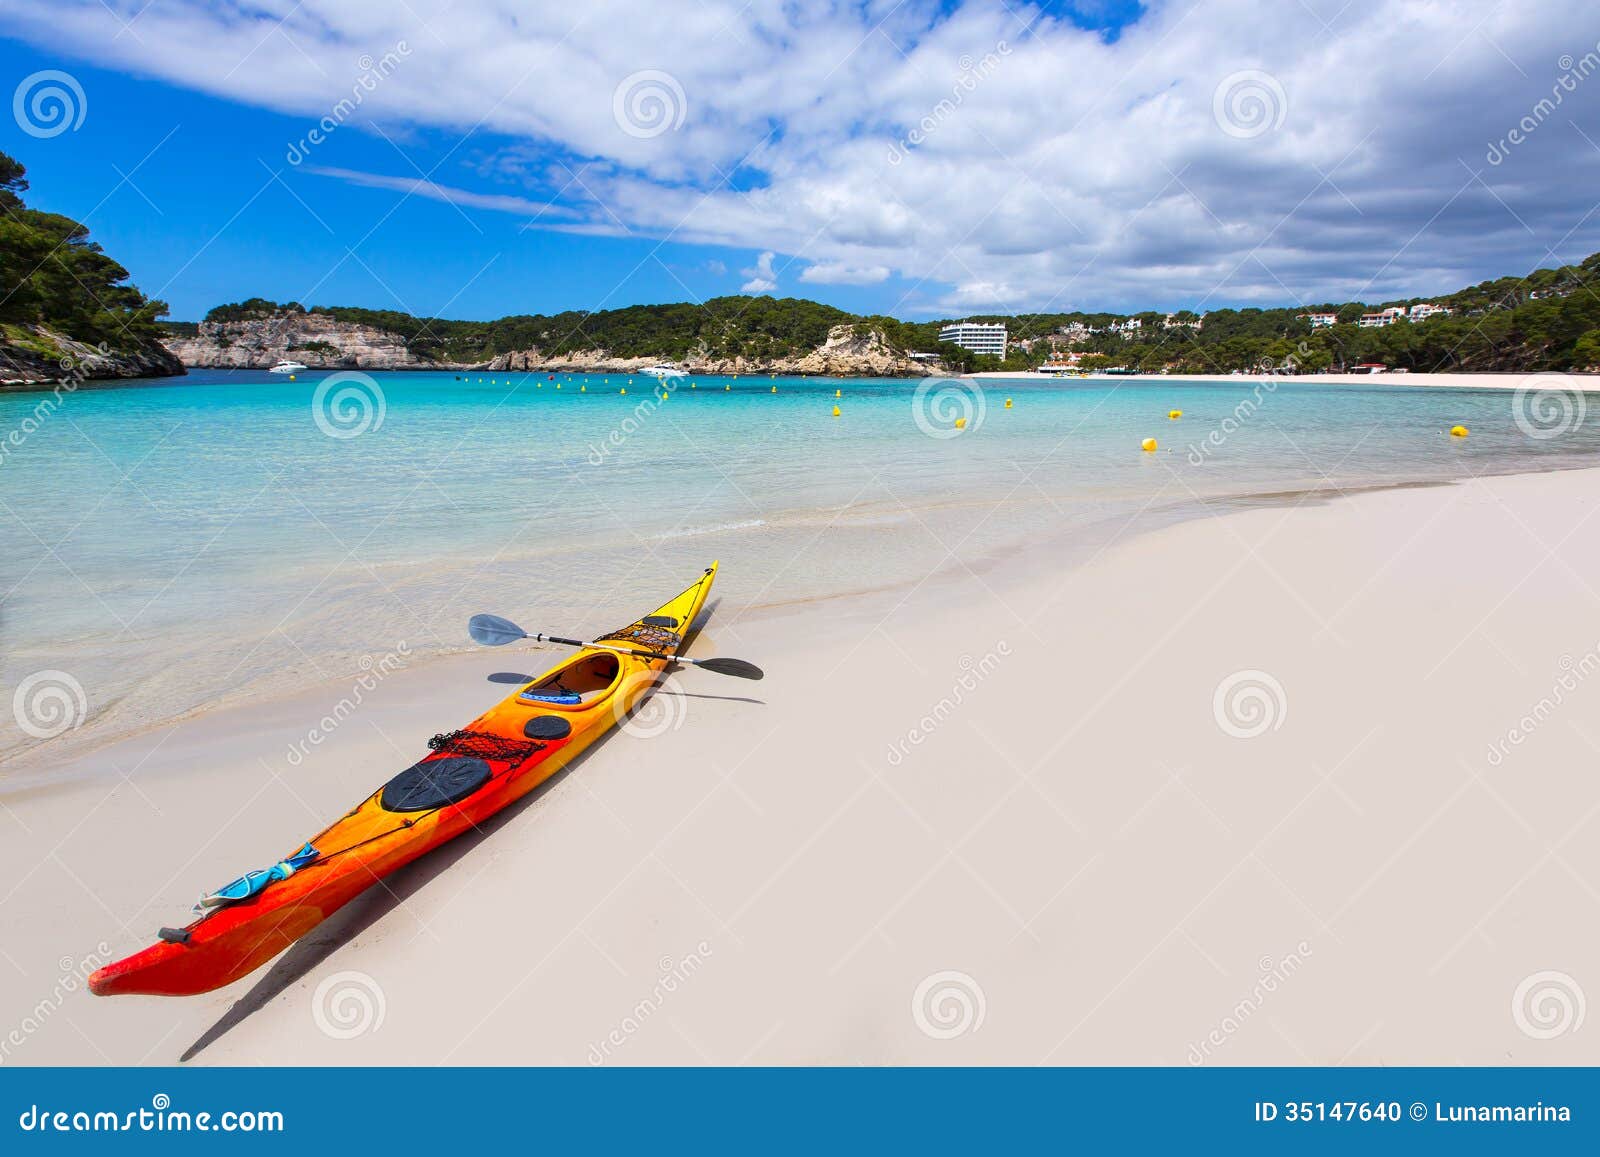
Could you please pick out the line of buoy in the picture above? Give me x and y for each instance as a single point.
(1459, 431)
(1148, 445)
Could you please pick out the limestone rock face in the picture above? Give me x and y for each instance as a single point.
(317, 340)
(845, 353)
(47, 356)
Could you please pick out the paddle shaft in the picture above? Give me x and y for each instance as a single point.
(609, 647)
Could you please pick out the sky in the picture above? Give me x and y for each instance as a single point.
(477, 158)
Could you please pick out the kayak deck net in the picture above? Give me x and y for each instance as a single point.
(484, 745)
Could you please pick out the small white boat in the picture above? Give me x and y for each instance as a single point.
(287, 367)
(664, 370)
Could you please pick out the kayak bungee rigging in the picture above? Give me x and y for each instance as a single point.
(468, 775)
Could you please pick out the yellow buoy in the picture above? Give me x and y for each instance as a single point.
(558, 385)
(583, 389)
(1174, 414)
(961, 423)
(1008, 403)
(1458, 431)
(725, 389)
(774, 389)
(838, 394)
(291, 377)
(1148, 445)
(624, 389)
(836, 411)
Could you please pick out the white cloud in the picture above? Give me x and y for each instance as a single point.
(1073, 172)
(763, 279)
(422, 187)
(838, 273)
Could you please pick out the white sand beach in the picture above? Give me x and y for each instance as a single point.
(1228, 793)
(1454, 381)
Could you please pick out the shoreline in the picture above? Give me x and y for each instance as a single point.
(1068, 547)
(1042, 768)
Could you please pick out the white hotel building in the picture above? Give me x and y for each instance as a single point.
(979, 337)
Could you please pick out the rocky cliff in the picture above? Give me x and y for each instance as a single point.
(32, 354)
(315, 339)
(845, 353)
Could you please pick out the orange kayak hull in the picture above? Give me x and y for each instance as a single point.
(372, 841)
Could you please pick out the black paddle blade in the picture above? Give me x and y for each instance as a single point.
(493, 631)
(738, 668)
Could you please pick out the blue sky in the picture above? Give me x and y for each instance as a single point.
(923, 159)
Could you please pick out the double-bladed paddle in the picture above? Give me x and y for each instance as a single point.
(493, 631)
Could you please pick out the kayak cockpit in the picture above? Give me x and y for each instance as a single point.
(581, 683)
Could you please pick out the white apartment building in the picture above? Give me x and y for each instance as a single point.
(1385, 317)
(979, 337)
(1321, 320)
(1426, 309)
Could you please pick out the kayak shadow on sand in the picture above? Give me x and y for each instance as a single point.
(372, 905)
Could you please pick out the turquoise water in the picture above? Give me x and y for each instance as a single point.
(174, 545)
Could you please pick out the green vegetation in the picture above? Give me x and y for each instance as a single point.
(1548, 320)
(53, 276)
